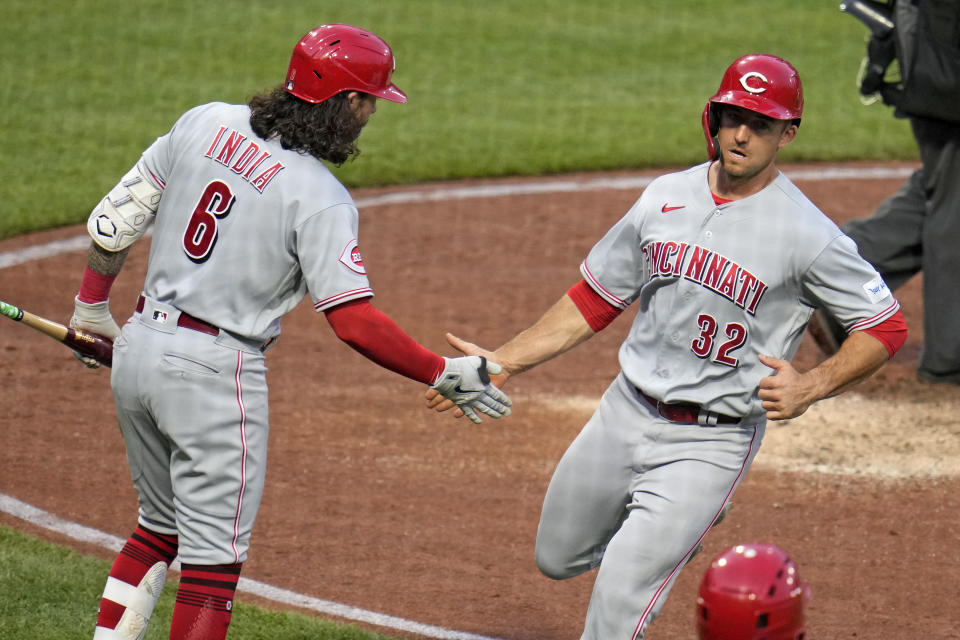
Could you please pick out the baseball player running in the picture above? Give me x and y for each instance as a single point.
(247, 219)
(727, 261)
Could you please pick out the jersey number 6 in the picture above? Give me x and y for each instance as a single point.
(201, 234)
(703, 345)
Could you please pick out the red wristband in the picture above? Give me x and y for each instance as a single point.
(95, 287)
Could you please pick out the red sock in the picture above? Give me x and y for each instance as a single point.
(143, 549)
(204, 601)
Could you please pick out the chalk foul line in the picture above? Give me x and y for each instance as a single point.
(444, 194)
(82, 533)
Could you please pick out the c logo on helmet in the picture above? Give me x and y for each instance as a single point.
(745, 78)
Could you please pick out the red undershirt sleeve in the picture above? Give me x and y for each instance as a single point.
(892, 332)
(595, 310)
(373, 334)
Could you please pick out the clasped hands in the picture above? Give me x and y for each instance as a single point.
(458, 388)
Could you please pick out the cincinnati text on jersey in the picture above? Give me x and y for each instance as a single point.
(243, 157)
(668, 259)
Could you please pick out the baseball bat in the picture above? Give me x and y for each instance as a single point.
(877, 16)
(86, 343)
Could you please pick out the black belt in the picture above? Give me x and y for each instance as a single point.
(687, 412)
(187, 321)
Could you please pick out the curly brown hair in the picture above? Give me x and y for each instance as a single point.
(327, 130)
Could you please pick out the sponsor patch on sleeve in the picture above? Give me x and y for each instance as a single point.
(876, 289)
(352, 259)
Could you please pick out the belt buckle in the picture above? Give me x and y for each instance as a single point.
(707, 418)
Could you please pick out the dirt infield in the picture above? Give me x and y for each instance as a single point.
(374, 502)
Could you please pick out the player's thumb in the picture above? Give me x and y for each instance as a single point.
(467, 348)
(773, 363)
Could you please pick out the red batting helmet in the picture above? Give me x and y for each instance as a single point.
(751, 592)
(338, 57)
(758, 82)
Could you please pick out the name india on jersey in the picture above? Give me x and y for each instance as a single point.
(249, 159)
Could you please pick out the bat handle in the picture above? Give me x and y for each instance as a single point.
(91, 345)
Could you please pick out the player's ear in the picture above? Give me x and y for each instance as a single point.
(354, 101)
(788, 135)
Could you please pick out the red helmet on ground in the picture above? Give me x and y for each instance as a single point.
(758, 82)
(751, 592)
(338, 57)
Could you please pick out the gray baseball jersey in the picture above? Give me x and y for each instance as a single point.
(246, 228)
(717, 285)
(243, 231)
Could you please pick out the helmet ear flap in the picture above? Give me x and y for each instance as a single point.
(711, 126)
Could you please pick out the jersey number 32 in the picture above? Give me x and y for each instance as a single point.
(703, 345)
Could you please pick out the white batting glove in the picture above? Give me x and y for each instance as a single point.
(466, 382)
(96, 318)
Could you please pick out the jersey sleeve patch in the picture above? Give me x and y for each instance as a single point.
(876, 289)
(351, 257)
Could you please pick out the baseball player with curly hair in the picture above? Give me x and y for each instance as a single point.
(727, 261)
(247, 220)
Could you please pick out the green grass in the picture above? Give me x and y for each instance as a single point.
(52, 593)
(499, 87)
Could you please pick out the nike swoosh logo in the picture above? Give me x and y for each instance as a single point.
(667, 208)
